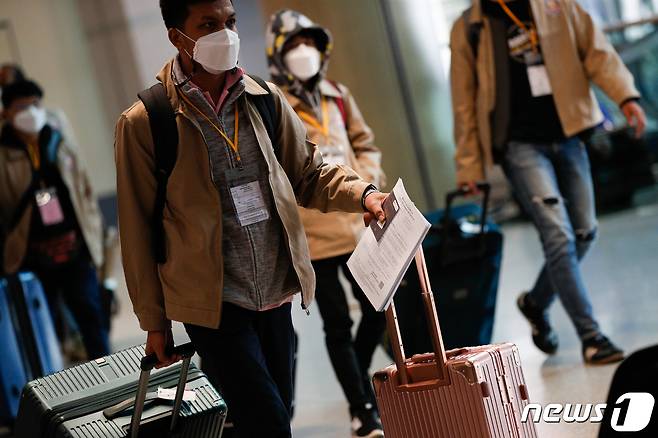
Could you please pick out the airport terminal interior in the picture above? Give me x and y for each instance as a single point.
(92, 57)
(623, 297)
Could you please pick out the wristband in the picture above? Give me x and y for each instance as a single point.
(368, 191)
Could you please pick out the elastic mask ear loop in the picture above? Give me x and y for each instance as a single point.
(189, 78)
(183, 33)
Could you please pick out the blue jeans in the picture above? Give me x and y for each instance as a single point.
(554, 185)
(251, 355)
(77, 283)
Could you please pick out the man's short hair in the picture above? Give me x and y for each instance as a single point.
(175, 12)
(20, 89)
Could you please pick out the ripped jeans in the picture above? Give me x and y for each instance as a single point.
(554, 185)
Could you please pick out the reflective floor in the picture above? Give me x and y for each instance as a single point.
(622, 275)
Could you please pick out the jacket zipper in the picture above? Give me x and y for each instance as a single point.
(259, 297)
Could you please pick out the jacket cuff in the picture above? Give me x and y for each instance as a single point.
(151, 323)
(629, 99)
(356, 191)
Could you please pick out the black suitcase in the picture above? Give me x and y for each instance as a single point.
(463, 252)
(109, 397)
(620, 165)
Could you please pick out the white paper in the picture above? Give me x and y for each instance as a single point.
(540, 84)
(249, 203)
(385, 251)
(170, 394)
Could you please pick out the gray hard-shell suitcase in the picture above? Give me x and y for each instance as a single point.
(116, 396)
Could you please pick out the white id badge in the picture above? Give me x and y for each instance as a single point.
(540, 85)
(49, 207)
(247, 196)
(333, 155)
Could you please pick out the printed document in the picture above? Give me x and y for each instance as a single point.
(386, 249)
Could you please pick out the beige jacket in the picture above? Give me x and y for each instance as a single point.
(188, 287)
(350, 142)
(576, 54)
(15, 179)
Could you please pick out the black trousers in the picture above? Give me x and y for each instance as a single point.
(77, 284)
(350, 356)
(251, 356)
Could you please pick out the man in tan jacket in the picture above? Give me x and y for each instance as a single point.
(50, 222)
(521, 74)
(235, 248)
(298, 55)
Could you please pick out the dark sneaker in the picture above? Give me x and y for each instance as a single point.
(600, 351)
(366, 424)
(542, 333)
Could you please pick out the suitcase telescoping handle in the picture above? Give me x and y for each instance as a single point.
(186, 351)
(484, 187)
(432, 323)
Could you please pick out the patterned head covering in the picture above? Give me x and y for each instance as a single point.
(283, 26)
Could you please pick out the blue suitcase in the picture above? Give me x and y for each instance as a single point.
(28, 347)
(463, 252)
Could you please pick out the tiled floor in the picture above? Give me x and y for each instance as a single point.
(621, 272)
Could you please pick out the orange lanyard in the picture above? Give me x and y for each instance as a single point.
(35, 156)
(532, 34)
(233, 143)
(324, 128)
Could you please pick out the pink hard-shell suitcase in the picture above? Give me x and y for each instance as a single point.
(473, 392)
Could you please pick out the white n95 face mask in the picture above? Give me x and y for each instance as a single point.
(217, 52)
(303, 61)
(31, 120)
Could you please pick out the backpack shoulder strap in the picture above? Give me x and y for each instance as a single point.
(52, 148)
(162, 119)
(266, 108)
(340, 102)
(23, 203)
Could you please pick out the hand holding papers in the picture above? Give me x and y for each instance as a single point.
(386, 249)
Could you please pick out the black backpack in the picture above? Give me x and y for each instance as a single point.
(162, 119)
